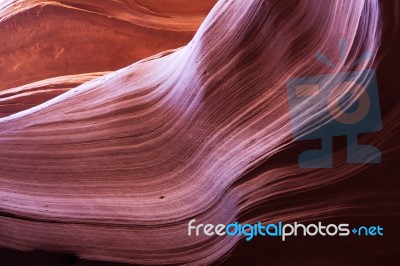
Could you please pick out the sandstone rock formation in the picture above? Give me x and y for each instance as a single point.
(113, 169)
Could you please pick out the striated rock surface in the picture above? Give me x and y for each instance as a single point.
(46, 39)
(114, 169)
(24, 97)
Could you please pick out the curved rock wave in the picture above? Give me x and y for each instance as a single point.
(46, 39)
(115, 168)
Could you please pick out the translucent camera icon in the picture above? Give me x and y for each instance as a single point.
(337, 115)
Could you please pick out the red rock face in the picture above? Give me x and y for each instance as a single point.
(141, 138)
(42, 40)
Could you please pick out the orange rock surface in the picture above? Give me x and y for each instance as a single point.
(115, 166)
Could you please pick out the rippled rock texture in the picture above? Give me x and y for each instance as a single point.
(141, 138)
(49, 39)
